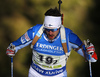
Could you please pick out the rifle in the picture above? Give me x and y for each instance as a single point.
(62, 15)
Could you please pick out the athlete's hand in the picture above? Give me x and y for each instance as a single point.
(11, 50)
(89, 46)
(90, 49)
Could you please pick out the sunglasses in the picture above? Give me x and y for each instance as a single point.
(53, 30)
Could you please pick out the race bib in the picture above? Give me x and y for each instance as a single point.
(48, 61)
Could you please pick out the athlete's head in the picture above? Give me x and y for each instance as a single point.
(52, 18)
(52, 23)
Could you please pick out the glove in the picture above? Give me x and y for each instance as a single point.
(89, 46)
(90, 49)
(11, 50)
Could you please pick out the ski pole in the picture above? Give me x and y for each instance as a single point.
(11, 66)
(86, 45)
(90, 66)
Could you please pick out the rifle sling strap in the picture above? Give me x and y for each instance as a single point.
(63, 37)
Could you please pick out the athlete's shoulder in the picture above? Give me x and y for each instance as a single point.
(36, 27)
(68, 31)
(73, 38)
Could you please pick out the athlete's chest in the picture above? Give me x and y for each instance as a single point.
(50, 48)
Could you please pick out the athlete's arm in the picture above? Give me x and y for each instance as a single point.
(79, 47)
(23, 41)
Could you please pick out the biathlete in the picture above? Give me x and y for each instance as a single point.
(49, 58)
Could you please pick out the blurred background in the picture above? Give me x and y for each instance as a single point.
(17, 16)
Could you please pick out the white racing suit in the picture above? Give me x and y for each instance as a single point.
(48, 58)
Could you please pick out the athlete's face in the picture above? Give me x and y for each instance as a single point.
(52, 33)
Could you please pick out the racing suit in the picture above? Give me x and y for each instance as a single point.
(48, 57)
